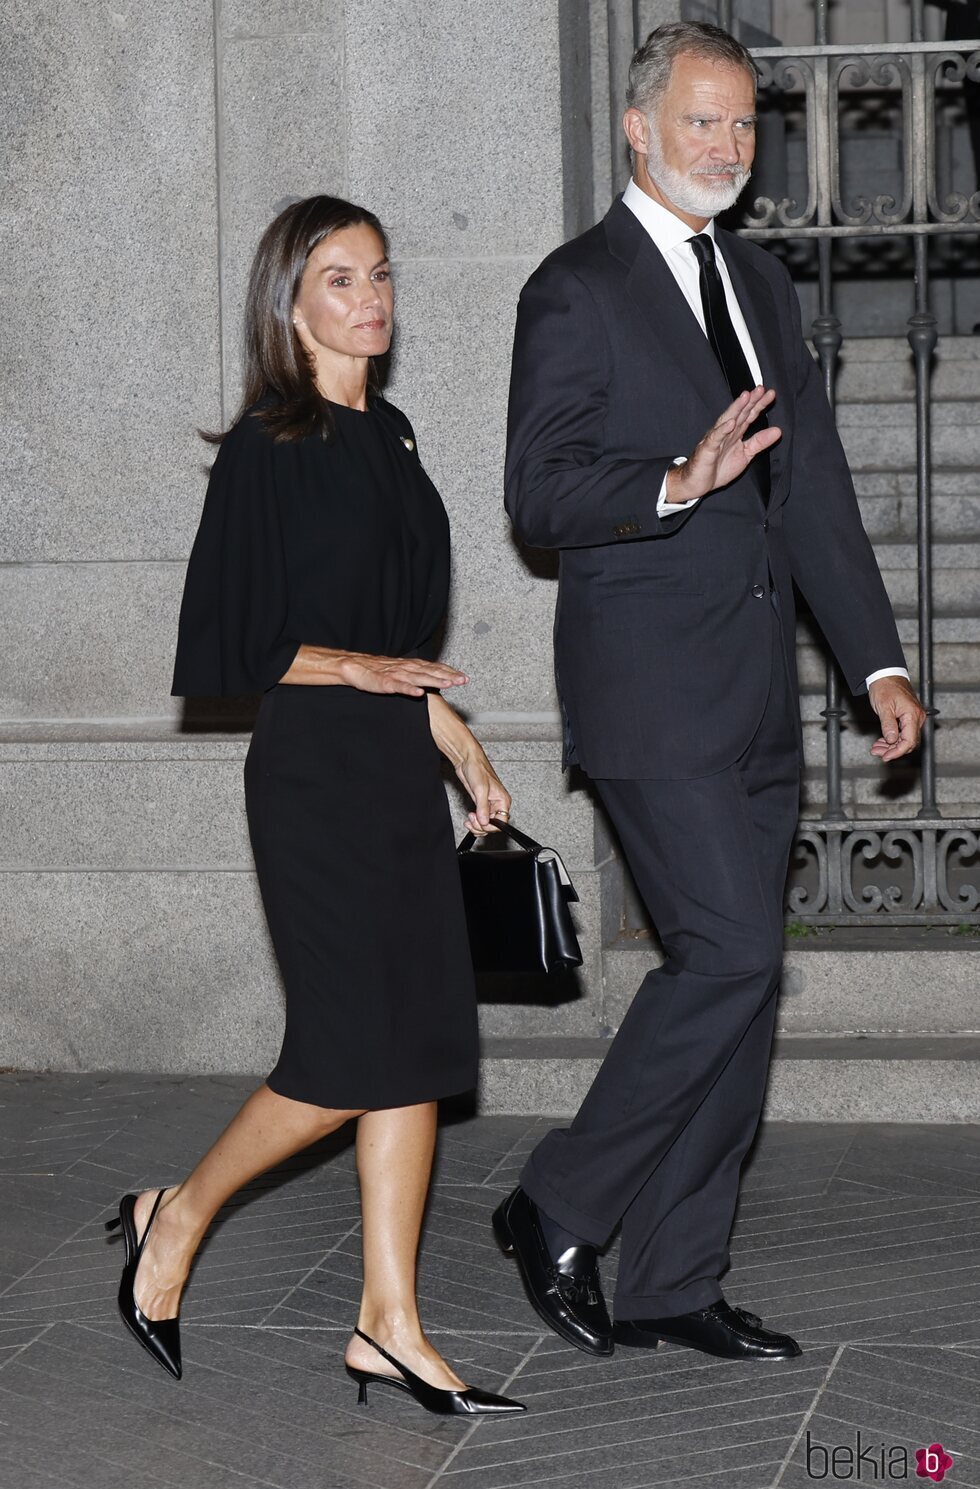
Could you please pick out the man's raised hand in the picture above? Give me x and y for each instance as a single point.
(724, 452)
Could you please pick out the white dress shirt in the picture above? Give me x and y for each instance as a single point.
(672, 238)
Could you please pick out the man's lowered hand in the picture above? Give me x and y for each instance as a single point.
(901, 714)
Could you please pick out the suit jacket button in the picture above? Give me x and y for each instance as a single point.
(765, 526)
(759, 590)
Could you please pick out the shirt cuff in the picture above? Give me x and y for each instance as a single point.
(887, 672)
(666, 508)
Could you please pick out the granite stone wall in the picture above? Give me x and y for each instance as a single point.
(151, 145)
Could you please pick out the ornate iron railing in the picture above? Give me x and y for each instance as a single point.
(847, 870)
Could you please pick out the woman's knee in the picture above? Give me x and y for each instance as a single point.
(328, 1119)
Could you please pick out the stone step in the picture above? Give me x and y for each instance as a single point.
(889, 506)
(876, 1079)
(951, 659)
(928, 986)
(901, 555)
(955, 704)
(881, 436)
(956, 648)
(881, 369)
(957, 588)
(957, 742)
(957, 730)
(873, 790)
(955, 575)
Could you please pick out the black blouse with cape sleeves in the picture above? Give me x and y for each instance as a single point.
(340, 543)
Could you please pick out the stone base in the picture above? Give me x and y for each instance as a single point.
(874, 1079)
(134, 940)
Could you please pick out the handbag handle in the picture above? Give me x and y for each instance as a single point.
(514, 833)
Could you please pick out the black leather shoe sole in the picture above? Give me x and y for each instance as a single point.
(730, 1347)
(510, 1246)
(636, 1338)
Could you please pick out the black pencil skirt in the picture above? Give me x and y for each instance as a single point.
(354, 850)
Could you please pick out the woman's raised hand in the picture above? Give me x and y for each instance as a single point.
(409, 675)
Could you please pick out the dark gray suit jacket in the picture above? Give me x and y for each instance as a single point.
(663, 629)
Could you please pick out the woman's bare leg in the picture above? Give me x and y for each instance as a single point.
(394, 1163)
(267, 1130)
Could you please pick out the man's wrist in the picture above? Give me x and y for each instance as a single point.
(674, 492)
(886, 672)
(673, 498)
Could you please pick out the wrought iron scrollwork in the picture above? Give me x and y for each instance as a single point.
(876, 873)
(920, 74)
(953, 68)
(962, 843)
(790, 74)
(882, 71)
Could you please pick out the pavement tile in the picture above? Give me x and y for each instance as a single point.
(862, 1240)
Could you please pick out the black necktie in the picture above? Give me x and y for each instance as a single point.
(726, 345)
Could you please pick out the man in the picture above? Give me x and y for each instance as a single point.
(669, 435)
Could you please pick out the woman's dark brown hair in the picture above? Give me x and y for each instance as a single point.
(276, 362)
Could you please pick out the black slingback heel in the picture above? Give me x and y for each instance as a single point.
(471, 1402)
(159, 1336)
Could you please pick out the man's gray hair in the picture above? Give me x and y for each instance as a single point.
(653, 62)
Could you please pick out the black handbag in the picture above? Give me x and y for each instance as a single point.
(517, 906)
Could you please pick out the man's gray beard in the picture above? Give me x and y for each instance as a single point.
(688, 192)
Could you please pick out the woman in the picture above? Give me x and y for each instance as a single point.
(319, 577)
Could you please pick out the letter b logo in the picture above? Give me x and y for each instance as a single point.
(817, 1459)
(933, 1462)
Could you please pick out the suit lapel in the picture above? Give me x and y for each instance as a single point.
(674, 330)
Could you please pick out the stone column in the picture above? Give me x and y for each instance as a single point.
(282, 133)
(109, 235)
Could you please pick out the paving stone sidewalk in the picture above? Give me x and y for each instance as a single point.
(862, 1241)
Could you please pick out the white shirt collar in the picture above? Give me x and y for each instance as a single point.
(666, 229)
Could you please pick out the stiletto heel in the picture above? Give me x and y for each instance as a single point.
(471, 1402)
(159, 1336)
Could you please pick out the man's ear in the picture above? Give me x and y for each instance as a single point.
(636, 127)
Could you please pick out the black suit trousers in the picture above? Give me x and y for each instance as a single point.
(659, 1140)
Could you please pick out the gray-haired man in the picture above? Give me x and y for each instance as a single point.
(669, 435)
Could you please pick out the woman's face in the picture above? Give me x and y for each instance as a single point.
(346, 301)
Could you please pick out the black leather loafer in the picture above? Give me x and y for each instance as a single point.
(731, 1333)
(566, 1292)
